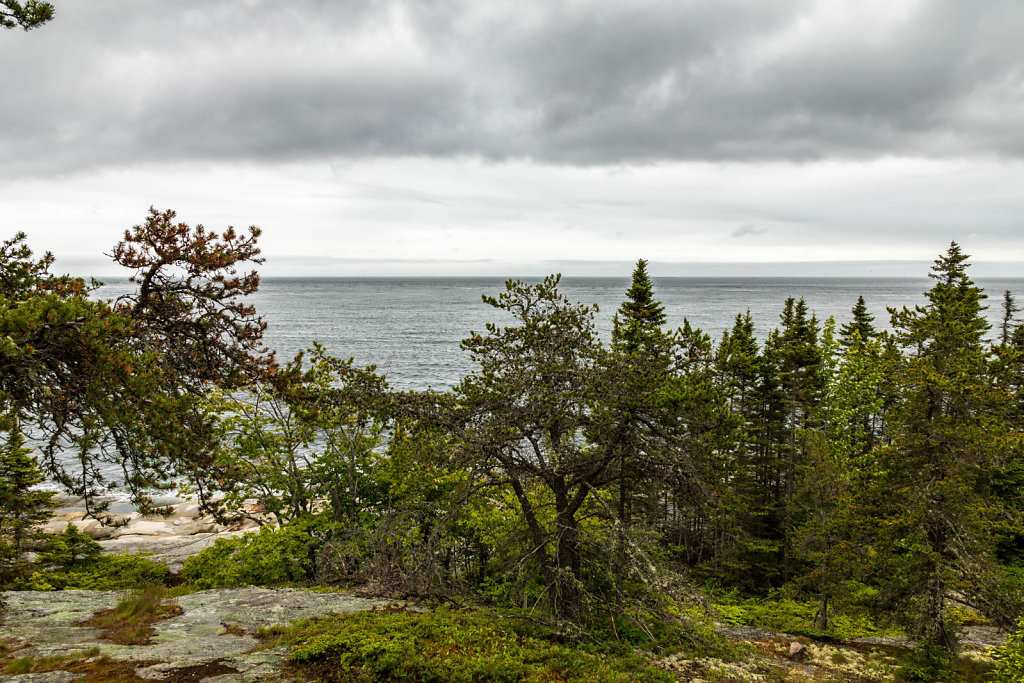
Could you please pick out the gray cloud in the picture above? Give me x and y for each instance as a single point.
(602, 82)
(747, 231)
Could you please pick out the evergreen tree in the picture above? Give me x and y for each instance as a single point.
(640, 347)
(747, 383)
(640, 315)
(1010, 311)
(800, 375)
(695, 471)
(860, 329)
(933, 484)
(22, 509)
(738, 362)
(828, 485)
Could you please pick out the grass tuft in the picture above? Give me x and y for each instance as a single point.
(131, 621)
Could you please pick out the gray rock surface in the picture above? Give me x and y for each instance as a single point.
(215, 626)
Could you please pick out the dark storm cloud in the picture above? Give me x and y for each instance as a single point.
(579, 83)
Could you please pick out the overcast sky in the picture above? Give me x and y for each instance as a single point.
(434, 137)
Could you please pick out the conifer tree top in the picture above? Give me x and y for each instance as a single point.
(640, 314)
(862, 324)
(640, 304)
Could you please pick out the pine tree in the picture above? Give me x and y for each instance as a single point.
(26, 15)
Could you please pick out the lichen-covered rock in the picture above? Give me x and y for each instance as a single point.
(48, 677)
(214, 626)
(47, 620)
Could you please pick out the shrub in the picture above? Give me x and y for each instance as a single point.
(68, 549)
(272, 556)
(1010, 657)
(112, 572)
(72, 561)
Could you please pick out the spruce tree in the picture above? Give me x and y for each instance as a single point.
(932, 489)
(1007, 325)
(22, 509)
(640, 315)
(801, 380)
(859, 330)
(638, 339)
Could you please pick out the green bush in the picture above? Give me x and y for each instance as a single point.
(72, 561)
(68, 550)
(272, 556)
(1010, 657)
(111, 572)
(448, 645)
(927, 662)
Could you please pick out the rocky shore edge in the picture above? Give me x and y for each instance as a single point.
(169, 539)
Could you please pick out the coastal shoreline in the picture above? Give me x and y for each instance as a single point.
(167, 539)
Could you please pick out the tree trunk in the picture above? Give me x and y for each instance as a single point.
(821, 618)
(567, 598)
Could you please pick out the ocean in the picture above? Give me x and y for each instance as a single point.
(410, 328)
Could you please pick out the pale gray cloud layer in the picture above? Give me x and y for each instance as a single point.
(487, 137)
(111, 82)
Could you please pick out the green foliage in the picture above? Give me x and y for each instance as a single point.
(22, 508)
(72, 561)
(933, 514)
(111, 572)
(119, 382)
(929, 661)
(640, 315)
(69, 549)
(861, 329)
(1010, 657)
(269, 557)
(446, 645)
(791, 615)
(303, 436)
(27, 15)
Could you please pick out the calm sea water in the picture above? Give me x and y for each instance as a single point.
(411, 328)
